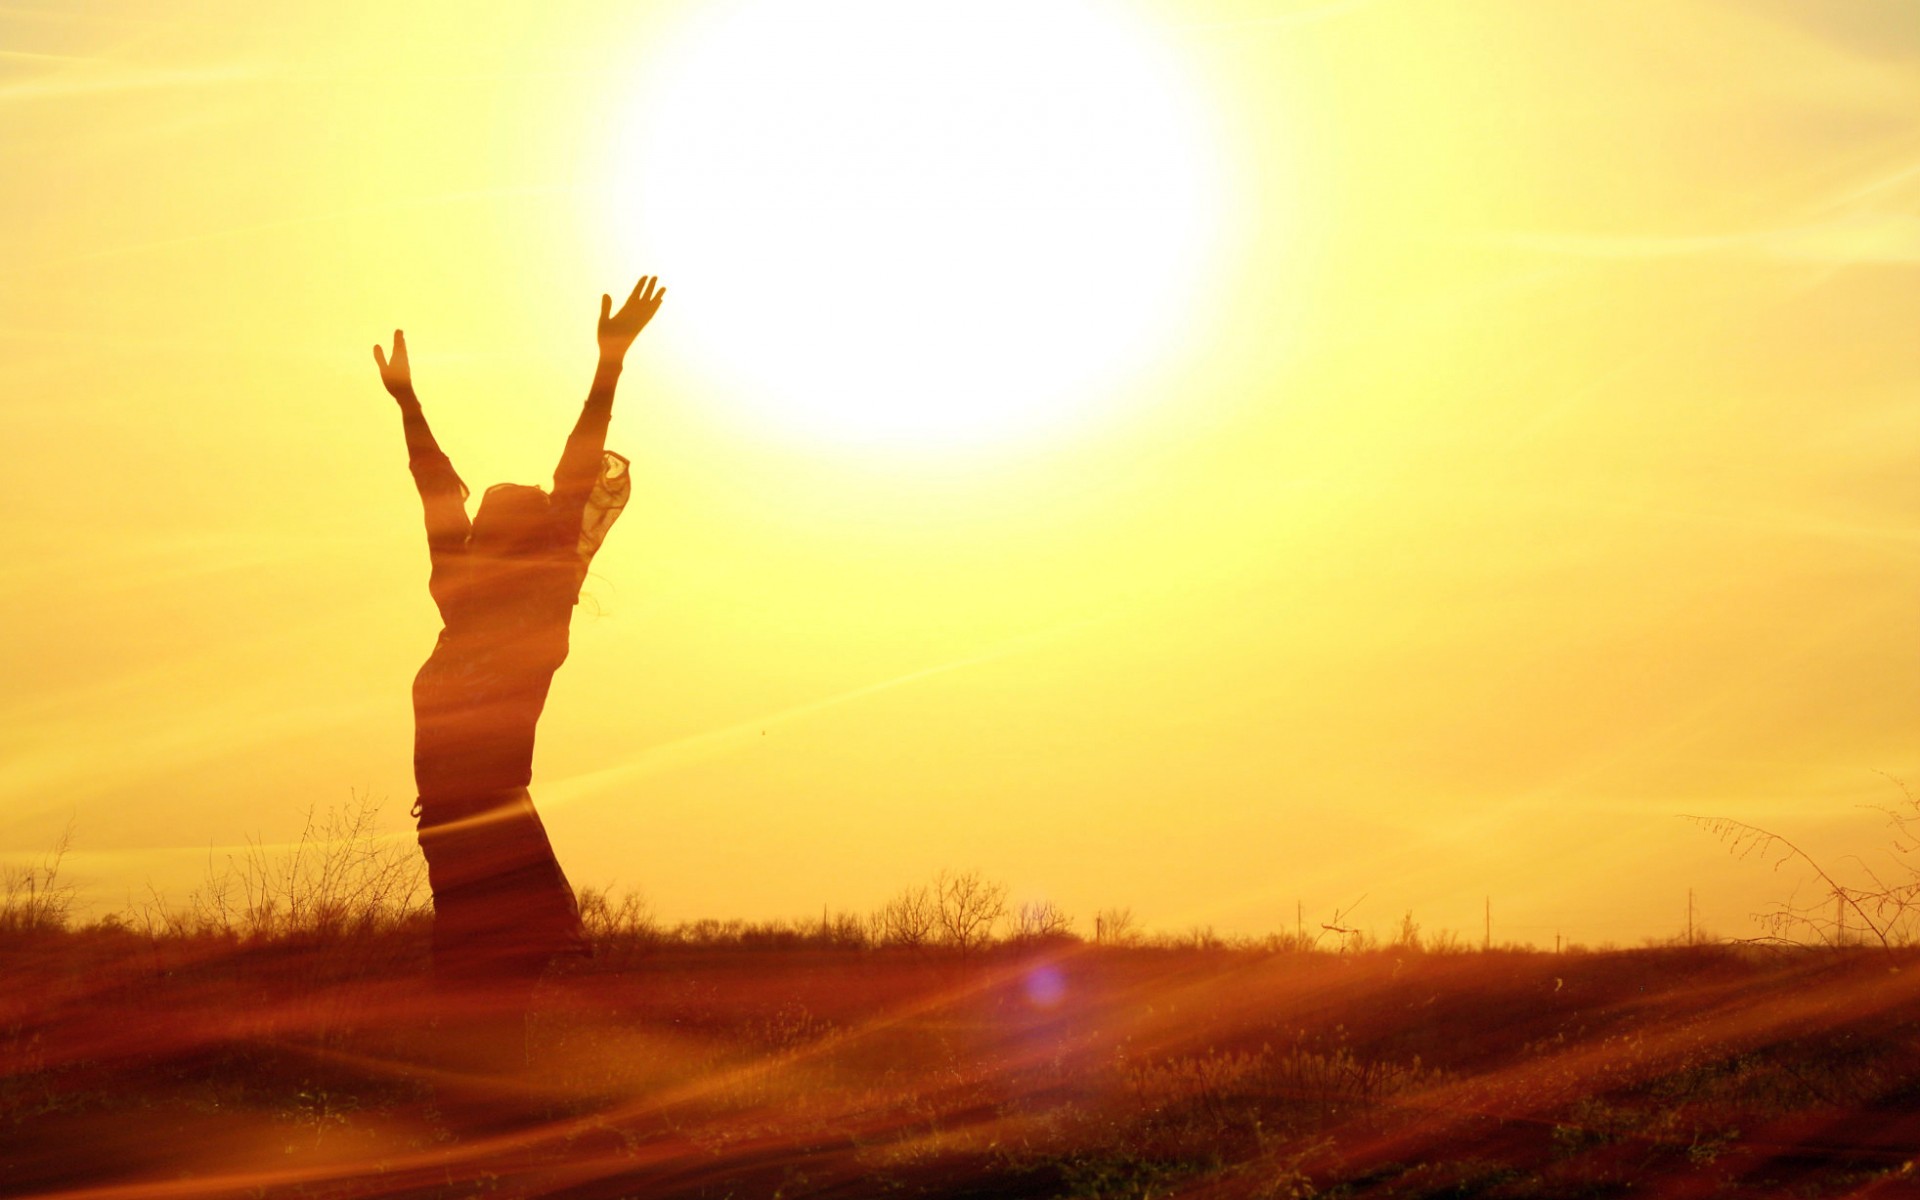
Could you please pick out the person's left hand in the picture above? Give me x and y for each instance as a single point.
(618, 330)
(394, 372)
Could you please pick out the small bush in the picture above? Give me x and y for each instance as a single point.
(339, 878)
(33, 898)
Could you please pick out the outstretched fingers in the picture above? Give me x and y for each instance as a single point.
(618, 329)
(393, 369)
(645, 295)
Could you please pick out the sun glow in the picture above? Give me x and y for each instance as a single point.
(926, 225)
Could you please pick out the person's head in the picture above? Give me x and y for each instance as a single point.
(513, 519)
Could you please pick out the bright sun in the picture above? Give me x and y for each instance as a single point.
(924, 224)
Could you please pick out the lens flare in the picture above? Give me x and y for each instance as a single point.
(1045, 986)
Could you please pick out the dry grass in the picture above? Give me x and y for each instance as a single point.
(273, 1037)
(675, 1067)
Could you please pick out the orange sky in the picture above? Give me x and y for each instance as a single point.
(1527, 460)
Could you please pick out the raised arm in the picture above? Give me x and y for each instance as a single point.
(441, 492)
(580, 462)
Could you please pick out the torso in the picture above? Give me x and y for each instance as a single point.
(479, 696)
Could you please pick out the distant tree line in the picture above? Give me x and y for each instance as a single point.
(955, 911)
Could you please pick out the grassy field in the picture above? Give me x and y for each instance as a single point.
(133, 1063)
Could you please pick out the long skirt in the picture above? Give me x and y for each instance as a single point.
(502, 907)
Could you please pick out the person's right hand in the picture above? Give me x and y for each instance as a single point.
(618, 329)
(394, 371)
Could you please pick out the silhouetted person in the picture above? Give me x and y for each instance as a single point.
(506, 583)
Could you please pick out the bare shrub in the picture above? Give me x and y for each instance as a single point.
(1447, 941)
(843, 931)
(630, 918)
(339, 877)
(33, 899)
(1882, 908)
(1041, 921)
(835, 931)
(709, 931)
(968, 908)
(1193, 937)
(1115, 927)
(908, 920)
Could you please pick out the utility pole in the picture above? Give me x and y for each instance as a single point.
(1486, 939)
(1689, 916)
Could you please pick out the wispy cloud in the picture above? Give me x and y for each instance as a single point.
(702, 746)
(37, 56)
(1861, 238)
(160, 559)
(1872, 31)
(343, 214)
(1887, 238)
(1898, 176)
(118, 78)
(68, 763)
(72, 15)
